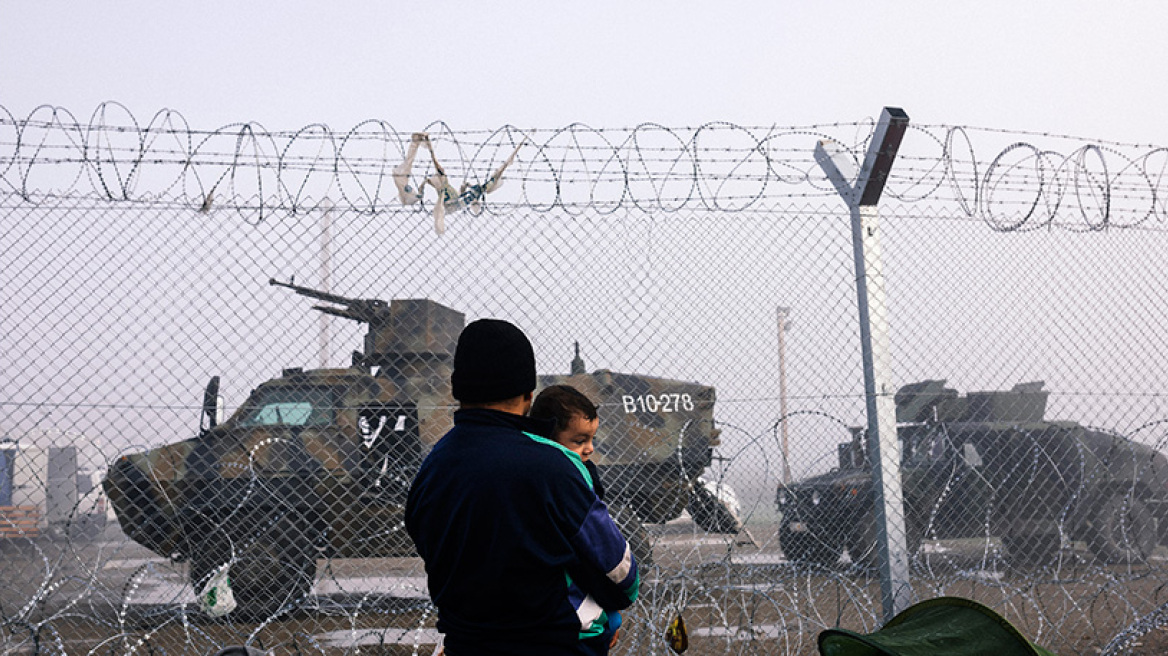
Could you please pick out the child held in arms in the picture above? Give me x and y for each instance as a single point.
(576, 422)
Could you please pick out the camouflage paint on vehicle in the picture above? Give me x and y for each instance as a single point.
(342, 458)
(319, 462)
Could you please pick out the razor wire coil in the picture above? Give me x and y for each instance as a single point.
(717, 167)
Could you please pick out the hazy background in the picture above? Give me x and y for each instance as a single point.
(1074, 66)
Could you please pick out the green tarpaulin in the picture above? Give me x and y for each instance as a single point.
(945, 626)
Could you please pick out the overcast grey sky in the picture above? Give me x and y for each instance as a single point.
(1067, 66)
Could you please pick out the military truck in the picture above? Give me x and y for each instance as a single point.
(987, 464)
(318, 463)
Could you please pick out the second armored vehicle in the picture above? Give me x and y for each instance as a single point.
(987, 464)
(318, 463)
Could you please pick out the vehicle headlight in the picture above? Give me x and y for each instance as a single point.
(815, 499)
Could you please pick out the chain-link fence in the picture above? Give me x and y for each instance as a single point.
(171, 417)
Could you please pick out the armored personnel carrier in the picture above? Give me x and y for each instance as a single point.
(318, 463)
(987, 464)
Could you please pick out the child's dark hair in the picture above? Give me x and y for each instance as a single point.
(561, 403)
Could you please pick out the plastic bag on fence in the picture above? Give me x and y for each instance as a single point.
(216, 598)
(945, 625)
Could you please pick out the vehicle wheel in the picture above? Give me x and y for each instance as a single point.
(1031, 550)
(270, 576)
(862, 544)
(633, 529)
(808, 547)
(714, 507)
(1124, 531)
(269, 571)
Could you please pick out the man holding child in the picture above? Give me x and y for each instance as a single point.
(521, 556)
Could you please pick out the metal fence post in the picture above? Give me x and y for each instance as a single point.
(784, 323)
(884, 447)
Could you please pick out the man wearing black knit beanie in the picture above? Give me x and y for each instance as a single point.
(500, 513)
(493, 362)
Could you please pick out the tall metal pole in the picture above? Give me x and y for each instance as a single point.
(883, 445)
(326, 275)
(784, 323)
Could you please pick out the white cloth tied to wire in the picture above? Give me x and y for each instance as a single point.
(449, 200)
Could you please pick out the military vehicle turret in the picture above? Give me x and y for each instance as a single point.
(317, 463)
(987, 464)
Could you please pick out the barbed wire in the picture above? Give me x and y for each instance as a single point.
(1009, 180)
(750, 604)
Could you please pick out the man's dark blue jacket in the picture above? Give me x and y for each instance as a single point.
(500, 515)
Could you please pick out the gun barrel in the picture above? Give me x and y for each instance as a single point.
(369, 311)
(315, 293)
